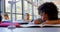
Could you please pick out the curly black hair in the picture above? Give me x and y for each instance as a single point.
(50, 9)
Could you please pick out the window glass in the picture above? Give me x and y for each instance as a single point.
(16, 9)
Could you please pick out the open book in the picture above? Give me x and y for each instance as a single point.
(32, 25)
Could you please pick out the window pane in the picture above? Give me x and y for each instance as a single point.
(13, 15)
(35, 12)
(19, 17)
(7, 6)
(35, 2)
(28, 8)
(19, 7)
(25, 6)
(16, 9)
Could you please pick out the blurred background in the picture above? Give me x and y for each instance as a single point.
(24, 6)
(17, 9)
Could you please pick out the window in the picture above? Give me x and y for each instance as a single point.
(16, 10)
(35, 13)
(29, 6)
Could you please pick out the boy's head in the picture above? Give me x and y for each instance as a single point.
(6, 16)
(48, 11)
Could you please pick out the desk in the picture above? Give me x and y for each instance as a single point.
(40, 26)
(30, 30)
